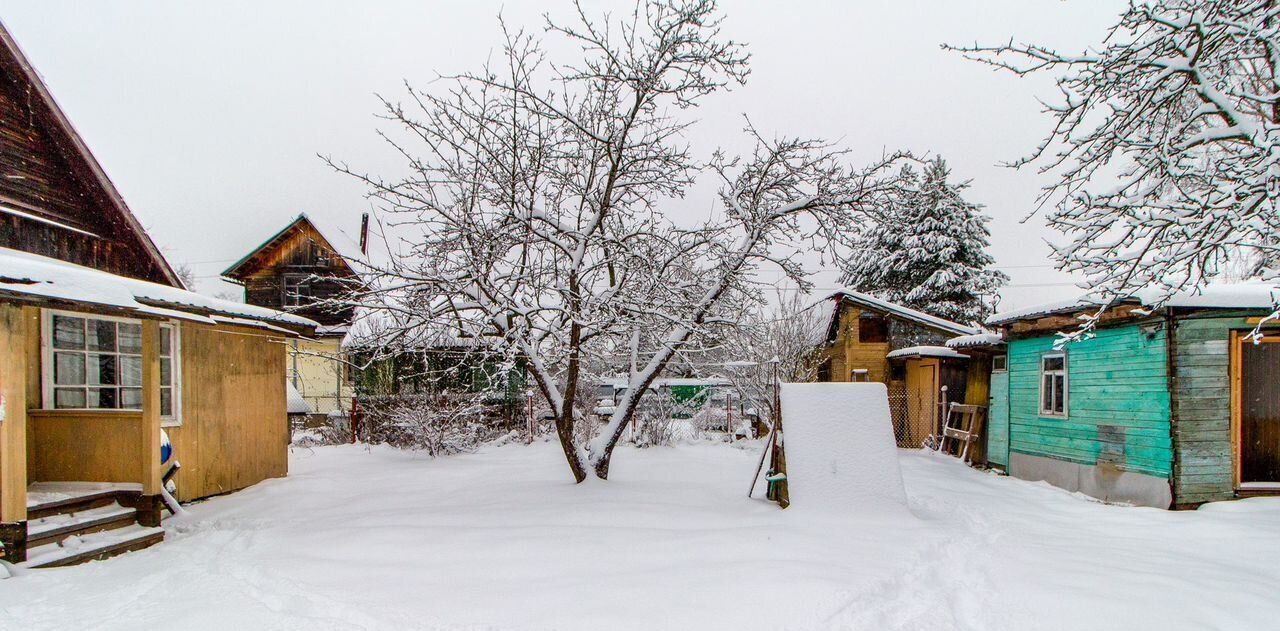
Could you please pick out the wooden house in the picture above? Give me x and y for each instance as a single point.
(1168, 407)
(301, 271)
(865, 338)
(103, 353)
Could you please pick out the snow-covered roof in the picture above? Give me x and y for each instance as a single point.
(402, 329)
(900, 311)
(1247, 295)
(925, 351)
(26, 275)
(975, 340)
(294, 402)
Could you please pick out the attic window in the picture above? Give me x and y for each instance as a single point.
(873, 329)
(297, 290)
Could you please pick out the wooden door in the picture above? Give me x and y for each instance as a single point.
(922, 400)
(1258, 413)
(998, 419)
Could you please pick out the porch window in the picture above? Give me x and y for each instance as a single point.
(95, 363)
(1053, 385)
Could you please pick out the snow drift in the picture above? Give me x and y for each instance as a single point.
(841, 456)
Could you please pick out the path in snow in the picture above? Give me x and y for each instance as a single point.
(372, 539)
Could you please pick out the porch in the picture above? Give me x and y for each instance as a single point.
(78, 484)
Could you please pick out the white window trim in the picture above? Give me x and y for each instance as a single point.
(1006, 362)
(175, 357)
(46, 365)
(1066, 389)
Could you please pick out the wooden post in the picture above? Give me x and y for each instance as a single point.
(149, 510)
(13, 433)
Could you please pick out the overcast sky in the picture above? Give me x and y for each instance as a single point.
(208, 116)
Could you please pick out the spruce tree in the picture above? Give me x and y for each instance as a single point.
(929, 251)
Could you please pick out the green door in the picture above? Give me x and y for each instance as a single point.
(998, 414)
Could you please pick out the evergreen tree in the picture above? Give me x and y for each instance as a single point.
(929, 251)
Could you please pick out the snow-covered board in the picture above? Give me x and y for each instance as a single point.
(841, 456)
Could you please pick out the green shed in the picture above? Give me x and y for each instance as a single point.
(1168, 407)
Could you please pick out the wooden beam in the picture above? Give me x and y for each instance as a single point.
(13, 427)
(1234, 351)
(150, 447)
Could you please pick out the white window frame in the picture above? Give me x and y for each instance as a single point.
(1004, 368)
(1066, 389)
(175, 368)
(46, 364)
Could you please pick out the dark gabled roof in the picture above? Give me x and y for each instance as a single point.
(237, 272)
(871, 302)
(15, 62)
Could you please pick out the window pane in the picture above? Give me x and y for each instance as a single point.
(130, 370)
(131, 398)
(166, 371)
(68, 332)
(1059, 389)
(165, 343)
(166, 401)
(68, 368)
(102, 335)
(130, 338)
(1046, 393)
(102, 370)
(68, 397)
(104, 398)
(1053, 363)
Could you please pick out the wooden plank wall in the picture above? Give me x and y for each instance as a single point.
(1202, 398)
(1118, 407)
(234, 429)
(847, 353)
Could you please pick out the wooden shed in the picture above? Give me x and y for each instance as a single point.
(865, 338)
(103, 352)
(1169, 407)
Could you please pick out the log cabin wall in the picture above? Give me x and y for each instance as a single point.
(50, 202)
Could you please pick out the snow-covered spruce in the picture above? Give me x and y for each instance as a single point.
(929, 250)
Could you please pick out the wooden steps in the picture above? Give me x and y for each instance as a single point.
(76, 522)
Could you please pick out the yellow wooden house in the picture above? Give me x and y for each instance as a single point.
(104, 354)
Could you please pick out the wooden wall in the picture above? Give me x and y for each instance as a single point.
(234, 429)
(847, 353)
(47, 178)
(1202, 469)
(302, 250)
(1118, 401)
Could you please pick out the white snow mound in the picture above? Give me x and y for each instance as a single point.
(841, 455)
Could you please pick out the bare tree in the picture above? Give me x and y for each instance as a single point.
(532, 214)
(1165, 144)
(780, 343)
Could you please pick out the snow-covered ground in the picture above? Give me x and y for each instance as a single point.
(381, 539)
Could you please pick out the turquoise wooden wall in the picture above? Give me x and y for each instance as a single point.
(1118, 401)
(998, 420)
(1202, 398)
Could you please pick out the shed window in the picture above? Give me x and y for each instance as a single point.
(1053, 385)
(999, 363)
(873, 329)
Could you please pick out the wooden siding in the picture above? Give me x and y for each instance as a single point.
(1118, 406)
(234, 429)
(85, 446)
(300, 249)
(43, 176)
(848, 354)
(1202, 400)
